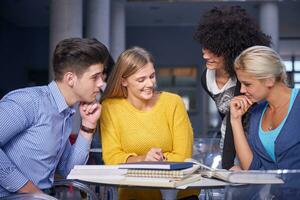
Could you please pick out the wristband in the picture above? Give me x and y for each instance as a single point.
(87, 130)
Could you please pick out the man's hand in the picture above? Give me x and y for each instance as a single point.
(29, 187)
(90, 114)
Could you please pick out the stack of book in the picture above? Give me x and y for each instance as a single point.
(150, 174)
(167, 174)
(173, 173)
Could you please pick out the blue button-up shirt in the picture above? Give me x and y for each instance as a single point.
(35, 126)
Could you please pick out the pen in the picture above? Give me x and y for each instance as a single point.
(164, 158)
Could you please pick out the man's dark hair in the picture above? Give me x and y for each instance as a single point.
(227, 31)
(77, 55)
(109, 66)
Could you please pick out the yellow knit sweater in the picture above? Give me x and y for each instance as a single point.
(127, 131)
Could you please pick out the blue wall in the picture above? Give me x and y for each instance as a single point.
(169, 45)
(22, 48)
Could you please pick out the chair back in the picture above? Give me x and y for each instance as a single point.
(71, 189)
(207, 151)
(29, 196)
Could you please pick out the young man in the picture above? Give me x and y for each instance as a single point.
(36, 122)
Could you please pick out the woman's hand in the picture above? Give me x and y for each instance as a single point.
(155, 154)
(239, 106)
(235, 168)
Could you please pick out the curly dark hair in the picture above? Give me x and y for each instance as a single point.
(227, 31)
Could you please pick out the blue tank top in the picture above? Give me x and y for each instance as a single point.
(268, 138)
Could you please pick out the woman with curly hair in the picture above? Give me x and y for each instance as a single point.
(224, 33)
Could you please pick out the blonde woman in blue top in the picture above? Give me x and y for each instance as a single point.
(273, 140)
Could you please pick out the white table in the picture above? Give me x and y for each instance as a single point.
(167, 193)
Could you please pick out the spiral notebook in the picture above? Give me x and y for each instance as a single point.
(161, 173)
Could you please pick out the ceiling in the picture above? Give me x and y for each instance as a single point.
(35, 13)
(144, 13)
(173, 14)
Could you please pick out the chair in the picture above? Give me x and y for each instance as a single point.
(63, 189)
(70, 189)
(289, 190)
(29, 196)
(95, 157)
(207, 151)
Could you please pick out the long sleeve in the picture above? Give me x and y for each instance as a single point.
(255, 163)
(182, 134)
(113, 152)
(252, 134)
(229, 152)
(252, 130)
(15, 117)
(76, 154)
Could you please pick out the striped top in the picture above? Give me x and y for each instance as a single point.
(35, 126)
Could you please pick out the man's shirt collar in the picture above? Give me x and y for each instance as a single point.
(58, 97)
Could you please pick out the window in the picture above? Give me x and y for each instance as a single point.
(293, 71)
(180, 80)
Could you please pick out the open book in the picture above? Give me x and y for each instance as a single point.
(112, 174)
(240, 177)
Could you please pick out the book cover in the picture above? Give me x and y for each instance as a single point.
(157, 165)
(162, 173)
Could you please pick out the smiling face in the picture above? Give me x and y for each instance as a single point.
(141, 85)
(213, 61)
(255, 89)
(87, 86)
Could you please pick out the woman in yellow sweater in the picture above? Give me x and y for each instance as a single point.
(139, 123)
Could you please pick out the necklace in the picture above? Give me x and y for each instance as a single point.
(277, 117)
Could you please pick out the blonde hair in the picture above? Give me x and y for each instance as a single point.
(129, 62)
(262, 62)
